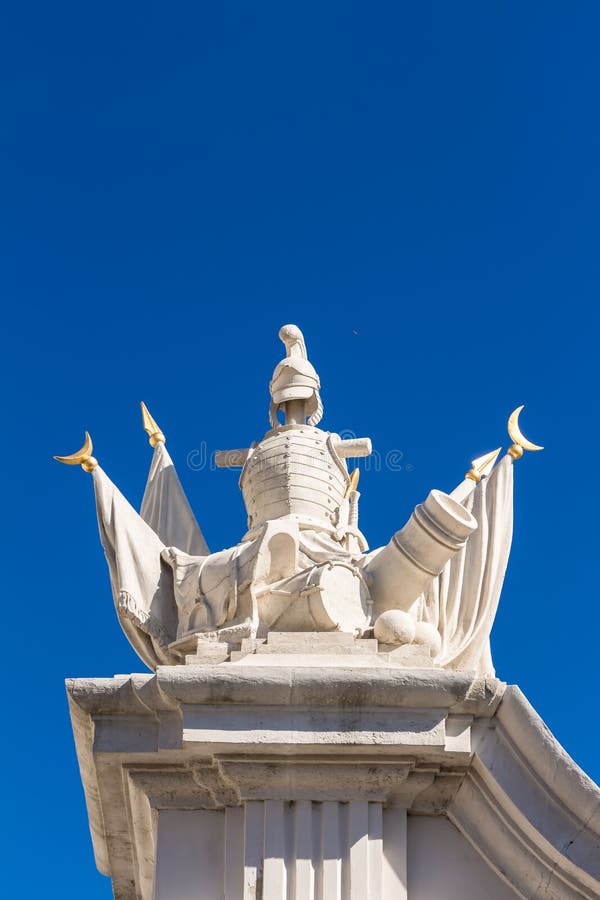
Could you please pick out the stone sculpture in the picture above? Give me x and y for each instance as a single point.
(429, 596)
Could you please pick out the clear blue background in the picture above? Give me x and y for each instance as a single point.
(415, 184)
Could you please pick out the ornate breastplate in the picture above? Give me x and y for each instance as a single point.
(295, 471)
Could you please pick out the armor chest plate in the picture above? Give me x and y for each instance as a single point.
(294, 471)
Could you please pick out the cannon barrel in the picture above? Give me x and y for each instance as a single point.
(398, 573)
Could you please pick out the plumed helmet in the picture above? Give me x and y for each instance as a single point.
(295, 377)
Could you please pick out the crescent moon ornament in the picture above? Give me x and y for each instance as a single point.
(82, 457)
(520, 441)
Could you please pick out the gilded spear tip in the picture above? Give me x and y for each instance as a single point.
(482, 466)
(154, 433)
(353, 483)
(82, 457)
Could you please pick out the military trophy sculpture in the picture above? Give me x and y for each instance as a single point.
(429, 597)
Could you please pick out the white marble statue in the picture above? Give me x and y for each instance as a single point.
(303, 564)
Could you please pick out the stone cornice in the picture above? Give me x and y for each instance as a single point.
(171, 686)
(433, 742)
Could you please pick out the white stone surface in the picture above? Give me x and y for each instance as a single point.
(462, 602)
(444, 866)
(394, 626)
(166, 509)
(303, 849)
(303, 565)
(189, 854)
(400, 572)
(315, 770)
(323, 722)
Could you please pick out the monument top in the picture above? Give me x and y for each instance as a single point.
(427, 598)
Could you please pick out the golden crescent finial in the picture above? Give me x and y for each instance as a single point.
(82, 457)
(520, 441)
(482, 466)
(353, 483)
(151, 428)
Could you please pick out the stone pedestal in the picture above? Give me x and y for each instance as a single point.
(337, 773)
(277, 849)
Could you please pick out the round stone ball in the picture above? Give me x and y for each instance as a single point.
(395, 627)
(429, 636)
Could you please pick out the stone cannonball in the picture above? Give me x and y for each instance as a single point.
(395, 627)
(429, 636)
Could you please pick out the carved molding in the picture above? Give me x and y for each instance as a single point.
(495, 771)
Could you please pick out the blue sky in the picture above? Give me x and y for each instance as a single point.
(416, 185)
